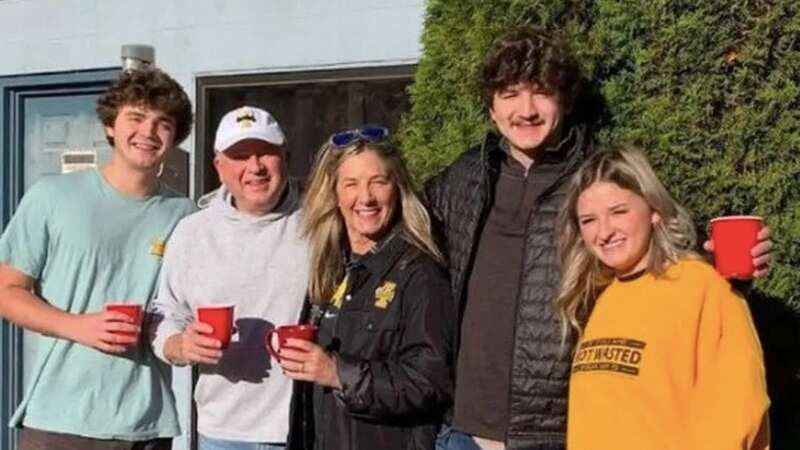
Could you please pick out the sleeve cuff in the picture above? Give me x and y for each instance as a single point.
(351, 376)
(164, 330)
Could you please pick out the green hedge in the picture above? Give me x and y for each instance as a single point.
(708, 89)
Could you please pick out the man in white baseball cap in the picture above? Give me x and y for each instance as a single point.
(248, 123)
(243, 248)
(251, 159)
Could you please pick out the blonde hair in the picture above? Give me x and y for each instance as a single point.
(323, 224)
(584, 276)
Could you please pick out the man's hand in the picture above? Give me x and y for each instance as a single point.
(107, 331)
(192, 346)
(761, 253)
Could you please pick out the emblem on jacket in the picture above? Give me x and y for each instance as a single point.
(338, 295)
(157, 247)
(384, 294)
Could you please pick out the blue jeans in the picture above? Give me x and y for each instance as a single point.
(207, 443)
(450, 439)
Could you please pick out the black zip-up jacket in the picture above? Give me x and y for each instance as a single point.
(459, 199)
(391, 337)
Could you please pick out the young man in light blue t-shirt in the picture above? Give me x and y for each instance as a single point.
(80, 241)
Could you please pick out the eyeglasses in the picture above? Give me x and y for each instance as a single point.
(369, 133)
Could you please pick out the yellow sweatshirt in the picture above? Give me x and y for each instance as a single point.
(669, 363)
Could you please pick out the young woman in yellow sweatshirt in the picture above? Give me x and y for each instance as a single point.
(667, 355)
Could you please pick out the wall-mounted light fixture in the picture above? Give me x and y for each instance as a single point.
(137, 56)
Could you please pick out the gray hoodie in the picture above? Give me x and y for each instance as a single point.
(219, 255)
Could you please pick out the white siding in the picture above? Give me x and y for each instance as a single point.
(200, 37)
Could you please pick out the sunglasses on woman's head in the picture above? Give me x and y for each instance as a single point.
(369, 133)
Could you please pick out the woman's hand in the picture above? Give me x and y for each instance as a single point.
(306, 361)
(761, 253)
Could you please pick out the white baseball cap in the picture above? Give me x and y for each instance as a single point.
(247, 122)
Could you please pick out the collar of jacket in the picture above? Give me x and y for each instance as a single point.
(570, 149)
(383, 256)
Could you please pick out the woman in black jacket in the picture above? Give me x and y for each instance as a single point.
(380, 375)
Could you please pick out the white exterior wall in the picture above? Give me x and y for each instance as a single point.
(208, 37)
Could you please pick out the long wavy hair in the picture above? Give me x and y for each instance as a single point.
(324, 226)
(583, 275)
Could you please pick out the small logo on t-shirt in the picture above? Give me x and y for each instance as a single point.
(157, 247)
(609, 354)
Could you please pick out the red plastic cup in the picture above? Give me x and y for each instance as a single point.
(734, 237)
(220, 317)
(304, 332)
(131, 310)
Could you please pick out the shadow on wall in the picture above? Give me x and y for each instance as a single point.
(175, 173)
(592, 108)
(778, 328)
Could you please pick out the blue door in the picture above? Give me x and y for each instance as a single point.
(47, 126)
(56, 128)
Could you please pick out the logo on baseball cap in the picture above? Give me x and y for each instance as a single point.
(247, 122)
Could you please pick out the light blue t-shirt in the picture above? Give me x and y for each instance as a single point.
(89, 244)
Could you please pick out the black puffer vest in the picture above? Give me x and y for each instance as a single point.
(459, 199)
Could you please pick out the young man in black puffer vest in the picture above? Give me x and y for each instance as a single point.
(496, 208)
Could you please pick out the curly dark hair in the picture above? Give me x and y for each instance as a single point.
(153, 89)
(528, 54)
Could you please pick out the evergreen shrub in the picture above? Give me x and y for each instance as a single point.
(710, 90)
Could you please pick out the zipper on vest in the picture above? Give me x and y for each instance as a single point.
(514, 327)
